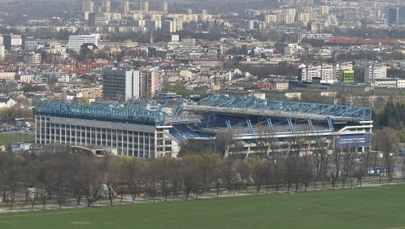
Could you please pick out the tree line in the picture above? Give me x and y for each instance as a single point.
(391, 116)
(68, 178)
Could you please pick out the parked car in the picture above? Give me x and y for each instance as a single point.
(377, 171)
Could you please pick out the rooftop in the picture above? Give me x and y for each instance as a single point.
(143, 113)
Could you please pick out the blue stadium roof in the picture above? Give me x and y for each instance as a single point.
(101, 113)
(246, 106)
(281, 108)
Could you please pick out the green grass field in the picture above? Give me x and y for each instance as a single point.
(382, 207)
(10, 138)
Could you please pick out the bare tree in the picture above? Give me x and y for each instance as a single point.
(78, 177)
(176, 176)
(243, 169)
(290, 171)
(258, 171)
(229, 172)
(210, 164)
(293, 164)
(92, 181)
(151, 182)
(335, 174)
(160, 166)
(347, 166)
(304, 165)
(120, 182)
(360, 167)
(109, 169)
(306, 173)
(11, 172)
(133, 169)
(279, 171)
(387, 141)
(221, 142)
(192, 174)
(48, 176)
(268, 175)
(320, 159)
(5, 164)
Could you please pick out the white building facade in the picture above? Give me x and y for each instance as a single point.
(121, 83)
(135, 135)
(375, 71)
(76, 41)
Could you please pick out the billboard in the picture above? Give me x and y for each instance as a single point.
(353, 140)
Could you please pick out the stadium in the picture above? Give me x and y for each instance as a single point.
(242, 126)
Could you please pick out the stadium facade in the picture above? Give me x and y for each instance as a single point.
(244, 126)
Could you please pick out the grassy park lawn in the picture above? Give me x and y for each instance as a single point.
(10, 138)
(380, 207)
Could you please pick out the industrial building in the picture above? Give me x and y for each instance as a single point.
(247, 126)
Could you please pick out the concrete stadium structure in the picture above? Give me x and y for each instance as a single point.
(242, 126)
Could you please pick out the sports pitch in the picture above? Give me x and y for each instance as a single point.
(380, 207)
(11, 138)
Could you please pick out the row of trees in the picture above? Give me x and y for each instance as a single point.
(8, 115)
(391, 116)
(66, 177)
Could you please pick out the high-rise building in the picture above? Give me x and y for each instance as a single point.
(164, 7)
(88, 6)
(346, 76)
(106, 6)
(402, 14)
(324, 10)
(289, 19)
(145, 6)
(30, 43)
(148, 84)
(270, 18)
(98, 9)
(327, 73)
(324, 72)
(375, 71)
(120, 83)
(392, 15)
(2, 52)
(156, 17)
(76, 41)
(129, 84)
(125, 8)
(152, 25)
(290, 11)
(96, 19)
(344, 66)
(179, 23)
(248, 24)
(12, 42)
(307, 72)
(2, 49)
(304, 17)
(32, 58)
(169, 25)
